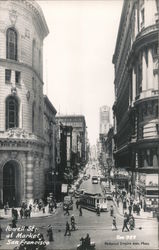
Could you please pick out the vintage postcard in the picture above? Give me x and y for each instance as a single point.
(79, 124)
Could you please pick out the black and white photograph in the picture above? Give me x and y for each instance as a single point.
(79, 124)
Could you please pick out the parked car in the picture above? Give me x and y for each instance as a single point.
(68, 202)
(79, 192)
(85, 177)
(71, 192)
(108, 194)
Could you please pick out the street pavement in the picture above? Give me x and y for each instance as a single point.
(144, 236)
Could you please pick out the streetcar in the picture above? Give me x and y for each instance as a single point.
(92, 201)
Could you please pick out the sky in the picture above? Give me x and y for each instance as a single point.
(77, 57)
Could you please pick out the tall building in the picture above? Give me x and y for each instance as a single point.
(22, 143)
(77, 122)
(104, 120)
(136, 114)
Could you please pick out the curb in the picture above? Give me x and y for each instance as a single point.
(40, 216)
(91, 209)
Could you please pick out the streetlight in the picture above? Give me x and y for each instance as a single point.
(54, 174)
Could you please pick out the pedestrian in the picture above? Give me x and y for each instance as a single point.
(144, 206)
(80, 211)
(87, 242)
(5, 209)
(73, 228)
(117, 201)
(67, 229)
(130, 209)
(29, 212)
(43, 209)
(50, 233)
(21, 213)
(98, 210)
(13, 212)
(138, 209)
(114, 227)
(16, 214)
(125, 223)
(41, 239)
(111, 210)
(141, 203)
(26, 213)
(83, 245)
(131, 223)
(67, 211)
(1, 232)
(14, 223)
(124, 204)
(30, 207)
(77, 203)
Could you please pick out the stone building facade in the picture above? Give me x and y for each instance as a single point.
(78, 123)
(136, 115)
(50, 158)
(104, 120)
(22, 144)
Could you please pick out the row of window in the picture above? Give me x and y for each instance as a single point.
(8, 76)
(12, 47)
(12, 113)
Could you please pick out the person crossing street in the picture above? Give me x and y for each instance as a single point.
(67, 229)
(114, 227)
(80, 211)
(67, 211)
(125, 222)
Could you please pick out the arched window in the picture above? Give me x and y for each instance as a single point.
(12, 112)
(11, 44)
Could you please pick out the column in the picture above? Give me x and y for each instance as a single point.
(133, 85)
(150, 69)
(29, 178)
(136, 21)
(23, 177)
(36, 178)
(144, 72)
(1, 185)
(41, 177)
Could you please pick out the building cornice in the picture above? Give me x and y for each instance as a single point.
(33, 6)
(52, 108)
(144, 39)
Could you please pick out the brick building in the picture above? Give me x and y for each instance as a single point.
(22, 144)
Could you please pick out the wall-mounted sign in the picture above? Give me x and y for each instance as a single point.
(64, 188)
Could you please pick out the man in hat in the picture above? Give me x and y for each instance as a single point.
(67, 229)
(50, 233)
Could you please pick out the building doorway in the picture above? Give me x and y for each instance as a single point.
(11, 183)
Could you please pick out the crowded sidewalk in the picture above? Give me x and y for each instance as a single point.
(44, 212)
(140, 215)
(130, 206)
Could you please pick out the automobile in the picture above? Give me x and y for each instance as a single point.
(99, 177)
(85, 177)
(94, 180)
(68, 202)
(73, 187)
(71, 192)
(108, 194)
(79, 192)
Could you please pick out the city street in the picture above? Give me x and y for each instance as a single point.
(144, 236)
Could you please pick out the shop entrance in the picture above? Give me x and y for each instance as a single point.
(11, 183)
